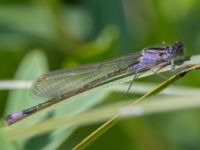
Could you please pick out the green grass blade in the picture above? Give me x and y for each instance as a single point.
(99, 131)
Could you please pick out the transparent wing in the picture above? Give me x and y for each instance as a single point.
(55, 83)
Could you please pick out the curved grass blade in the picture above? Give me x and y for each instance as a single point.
(111, 122)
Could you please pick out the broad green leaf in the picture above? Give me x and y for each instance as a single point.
(20, 19)
(33, 65)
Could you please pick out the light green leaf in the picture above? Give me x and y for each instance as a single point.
(33, 65)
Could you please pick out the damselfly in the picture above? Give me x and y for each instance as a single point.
(62, 84)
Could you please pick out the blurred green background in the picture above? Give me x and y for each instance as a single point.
(75, 32)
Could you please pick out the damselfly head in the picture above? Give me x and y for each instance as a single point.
(178, 48)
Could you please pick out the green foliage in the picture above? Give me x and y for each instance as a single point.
(58, 34)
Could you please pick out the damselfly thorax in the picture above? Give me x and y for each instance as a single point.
(159, 57)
